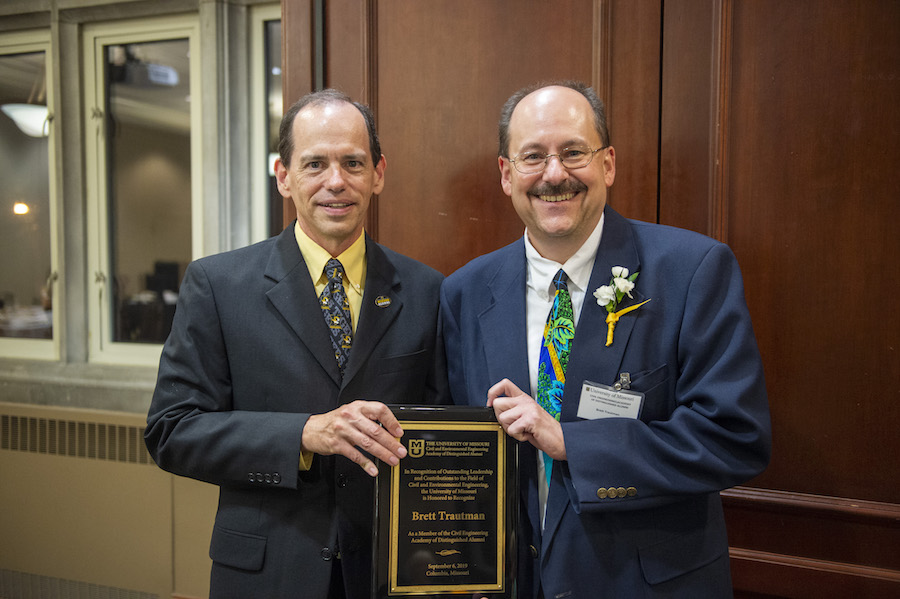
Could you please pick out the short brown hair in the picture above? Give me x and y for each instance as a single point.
(325, 96)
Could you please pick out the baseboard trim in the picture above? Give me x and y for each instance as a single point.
(764, 573)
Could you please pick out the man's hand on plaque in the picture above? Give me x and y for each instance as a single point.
(523, 419)
(369, 426)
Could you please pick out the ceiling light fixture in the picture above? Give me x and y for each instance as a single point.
(32, 119)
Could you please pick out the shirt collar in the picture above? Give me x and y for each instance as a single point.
(353, 259)
(578, 268)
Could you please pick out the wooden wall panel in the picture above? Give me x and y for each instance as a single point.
(350, 61)
(445, 68)
(779, 131)
(814, 137)
(437, 73)
(631, 75)
(689, 129)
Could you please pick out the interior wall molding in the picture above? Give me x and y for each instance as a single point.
(789, 544)
(720, 90)
(602, 53)
(792, 502)
(767, 574)
(370, 90)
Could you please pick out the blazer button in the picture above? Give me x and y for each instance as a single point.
(268, 478)
(601, 493)
(252, 477)
(620, 492)
(611, 492)
(534, 551)
(326, 554)
(342, 480)
(276, 478)
(631, 491)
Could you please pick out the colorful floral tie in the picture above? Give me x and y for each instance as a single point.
(558, 334)
(336, 309)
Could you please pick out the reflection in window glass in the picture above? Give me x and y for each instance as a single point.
(274, 103)
(25, 268)
(148, 145)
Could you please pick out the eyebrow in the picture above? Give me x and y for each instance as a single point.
(542, 147)
(361, 157)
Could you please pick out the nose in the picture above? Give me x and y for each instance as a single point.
(555, 172)
(335, 181)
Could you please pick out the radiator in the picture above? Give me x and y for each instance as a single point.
(84, 511)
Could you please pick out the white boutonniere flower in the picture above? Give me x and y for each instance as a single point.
(610, 295)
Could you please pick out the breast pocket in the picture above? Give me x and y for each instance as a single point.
(404, 362)
(401, 379)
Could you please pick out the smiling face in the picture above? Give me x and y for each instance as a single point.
(559, 206)
(331, 176)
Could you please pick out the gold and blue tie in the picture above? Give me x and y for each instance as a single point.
(558, 334)
(336, 309)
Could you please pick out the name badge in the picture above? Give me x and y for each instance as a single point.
(603, 401)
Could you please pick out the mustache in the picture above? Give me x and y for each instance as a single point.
(568, 186)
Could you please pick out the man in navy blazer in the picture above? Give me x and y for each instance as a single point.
(657, 415)
(250, 396)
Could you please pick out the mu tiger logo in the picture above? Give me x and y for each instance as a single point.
(417, 447)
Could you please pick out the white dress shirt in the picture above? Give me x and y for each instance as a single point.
(539, 292)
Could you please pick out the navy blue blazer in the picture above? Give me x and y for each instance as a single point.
(248, 360)
(635, 511)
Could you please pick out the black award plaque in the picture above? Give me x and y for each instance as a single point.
(445, 517)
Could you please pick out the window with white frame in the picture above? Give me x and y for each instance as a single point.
(144, 180)
(266, 108)
(28, 240)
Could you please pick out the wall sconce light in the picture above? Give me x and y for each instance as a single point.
(20, 208)
(32, 119)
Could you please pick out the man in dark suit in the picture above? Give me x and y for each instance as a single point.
(638, 400)
(274, 380)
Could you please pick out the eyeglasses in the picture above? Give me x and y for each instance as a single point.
(529, 163)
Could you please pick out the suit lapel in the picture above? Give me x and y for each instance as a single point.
(381, 304)
(503, 329)
(590, 359)
(294, 296)
(502, 321)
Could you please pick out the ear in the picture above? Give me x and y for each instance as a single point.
(379, 175)
(609, 166)
(282, 179)
(505, 174)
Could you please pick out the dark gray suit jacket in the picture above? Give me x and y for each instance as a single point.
(247, 362)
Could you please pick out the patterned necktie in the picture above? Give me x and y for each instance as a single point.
(558, 334)
(336, 309)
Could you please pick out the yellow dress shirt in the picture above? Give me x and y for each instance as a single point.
(353, 259)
